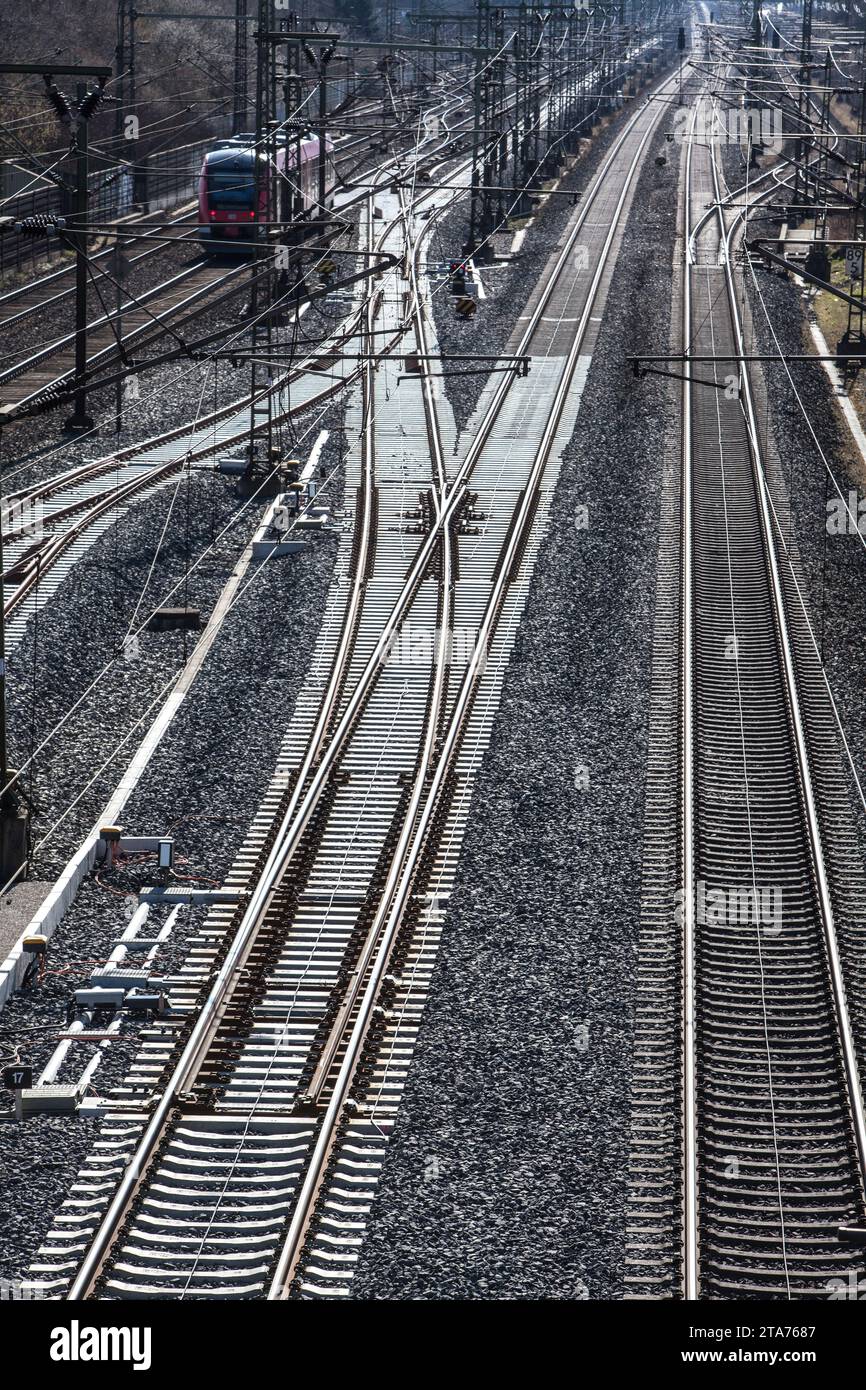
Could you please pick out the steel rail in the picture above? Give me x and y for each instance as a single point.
(33, 287)
(59, 542)
(687, 784)
(400, 860)
(300, 810)
(39, 564)
(691, 1177)
(154, 321)
(158, 322)
(213, 1007)
(352, 618)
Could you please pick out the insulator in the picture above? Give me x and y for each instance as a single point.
(90, 104)
(59, 101)
(40, 224)
(51, 397)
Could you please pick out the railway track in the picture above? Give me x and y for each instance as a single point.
(249, 1136)
(49, 527)
(345, 644)
(751, 1025)
(49, 290)
(39, 379)
(43, 375)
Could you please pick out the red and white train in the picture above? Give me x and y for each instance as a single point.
(226, 190)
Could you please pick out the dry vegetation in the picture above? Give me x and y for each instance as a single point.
(184, 67)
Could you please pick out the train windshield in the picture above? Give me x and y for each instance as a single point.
(230, 188)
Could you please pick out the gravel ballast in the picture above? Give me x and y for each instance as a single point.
(206, 780)
(506, 1174)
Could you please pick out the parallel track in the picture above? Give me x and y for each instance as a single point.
(772, 1166)
(73, 508)
(42, 375)
(25, 301)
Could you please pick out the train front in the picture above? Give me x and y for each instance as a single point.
(227, 199)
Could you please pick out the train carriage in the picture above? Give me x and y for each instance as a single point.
(227, 193)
